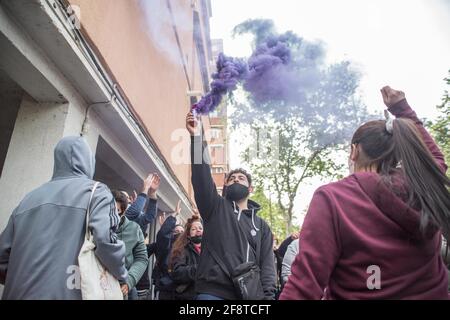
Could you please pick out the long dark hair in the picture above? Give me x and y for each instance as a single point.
(182, 241)
(426, 184)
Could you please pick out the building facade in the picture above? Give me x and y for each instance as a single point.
(218, 137)
(123, 75)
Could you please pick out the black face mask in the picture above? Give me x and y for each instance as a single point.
(196, 239)
(236, 192)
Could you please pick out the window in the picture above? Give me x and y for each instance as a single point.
(198, 38)
(217, 170)
(217, 153)
(216, 133)
(214, 114)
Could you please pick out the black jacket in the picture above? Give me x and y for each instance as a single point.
(279, 255)
(164, 241)
(183, 273)
(221, 220)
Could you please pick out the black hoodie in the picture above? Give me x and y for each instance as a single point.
(221, 219)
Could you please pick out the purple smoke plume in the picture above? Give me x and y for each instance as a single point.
(269, 72)
(280, 71)
(230, 71)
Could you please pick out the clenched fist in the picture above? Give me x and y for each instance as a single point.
(192, 124)
(391, 96)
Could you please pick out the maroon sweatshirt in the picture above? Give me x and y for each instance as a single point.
(357, 225)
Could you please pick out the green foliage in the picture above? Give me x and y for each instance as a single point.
(440, 129)
(295, 140)
(280, 166)
(271, 213)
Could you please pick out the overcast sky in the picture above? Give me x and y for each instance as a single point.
(403, 43)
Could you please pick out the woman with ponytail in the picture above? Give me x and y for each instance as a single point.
(184, 258)
(377, 233)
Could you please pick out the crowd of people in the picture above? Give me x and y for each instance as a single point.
(379, 233)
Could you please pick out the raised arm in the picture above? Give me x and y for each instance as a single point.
(397, 105)
(134, 211)
(206, 195)
(151, 185)
(164, 241)
(152, 209)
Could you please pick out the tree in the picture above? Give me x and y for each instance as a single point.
(270, 212)
(298, 135)
(440, 129)
(287, 168)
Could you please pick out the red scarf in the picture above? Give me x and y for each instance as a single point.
(198, 248)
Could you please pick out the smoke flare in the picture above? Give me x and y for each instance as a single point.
(230, 71)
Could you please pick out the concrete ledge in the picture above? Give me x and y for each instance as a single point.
(21, 59)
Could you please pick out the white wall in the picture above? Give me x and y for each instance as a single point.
(37, 130)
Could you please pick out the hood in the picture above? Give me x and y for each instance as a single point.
(73, 157)
(394, 206)
(252, 206)
(123, 224)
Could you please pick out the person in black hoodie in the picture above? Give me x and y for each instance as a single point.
(166, 236)
(279, 255)
(232, 230)
(184, 258)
